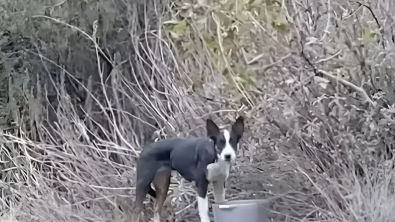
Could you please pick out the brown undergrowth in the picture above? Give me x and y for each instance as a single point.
(86, 84)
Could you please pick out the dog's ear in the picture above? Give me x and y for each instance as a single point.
(238, 127)
(212, 129)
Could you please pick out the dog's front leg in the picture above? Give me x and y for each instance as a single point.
(219, 191)
(202, 185)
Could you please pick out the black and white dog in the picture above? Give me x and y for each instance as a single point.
(189, 157)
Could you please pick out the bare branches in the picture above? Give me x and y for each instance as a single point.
(91, 102)
(359, 90)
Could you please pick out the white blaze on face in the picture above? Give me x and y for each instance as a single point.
(228, 149)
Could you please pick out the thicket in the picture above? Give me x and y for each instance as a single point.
(84, 85)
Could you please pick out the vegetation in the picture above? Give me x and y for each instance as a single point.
(84, 85)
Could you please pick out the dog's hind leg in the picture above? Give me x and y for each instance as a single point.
(141, 192)
(145, 174)
(161, 183)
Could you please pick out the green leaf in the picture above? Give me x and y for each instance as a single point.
(179, 29)
(228, 5)
(280, 22)
(255, 4)
(212, 43)
(176, 28)
(367, 36)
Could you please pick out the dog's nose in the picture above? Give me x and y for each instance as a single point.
(227, 157)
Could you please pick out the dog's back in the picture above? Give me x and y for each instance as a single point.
(180, 154)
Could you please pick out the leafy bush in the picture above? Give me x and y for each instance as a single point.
(86, 84)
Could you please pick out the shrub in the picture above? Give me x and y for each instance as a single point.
(86, 84)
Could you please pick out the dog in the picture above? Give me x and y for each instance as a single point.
(190, 158)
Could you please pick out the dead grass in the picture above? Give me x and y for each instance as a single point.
(85, 93)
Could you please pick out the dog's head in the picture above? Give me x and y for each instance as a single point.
(226, 143)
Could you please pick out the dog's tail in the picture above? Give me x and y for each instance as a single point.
(152, 192)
